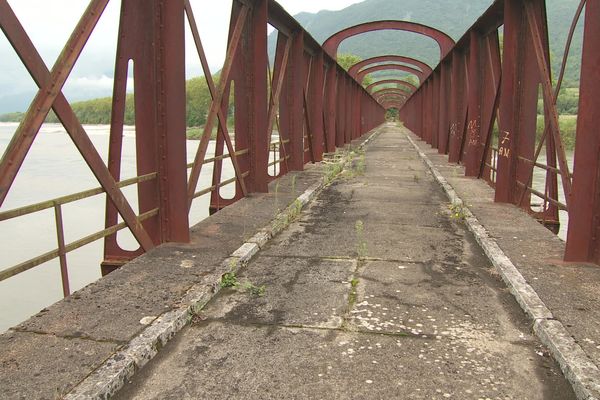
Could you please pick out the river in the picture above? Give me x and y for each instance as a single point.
(55, 168)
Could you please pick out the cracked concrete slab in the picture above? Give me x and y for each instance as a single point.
(298, 291)
(347, 313)
(52, 379)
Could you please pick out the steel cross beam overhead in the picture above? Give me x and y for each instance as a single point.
(355, 69)
(398, 82)
(309, 99)
(477, 86)
(444, 41)
(420, 75)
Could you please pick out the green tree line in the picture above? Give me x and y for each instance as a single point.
(98, 111)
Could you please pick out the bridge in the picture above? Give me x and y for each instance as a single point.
(413, 258)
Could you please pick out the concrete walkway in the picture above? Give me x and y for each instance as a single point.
(376, 292)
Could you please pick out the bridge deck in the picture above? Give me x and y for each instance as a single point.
(375, 292)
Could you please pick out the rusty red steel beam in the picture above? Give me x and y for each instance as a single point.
(552, 209)
(281, 61)
(493, 74)
(392, 104)
(24, 137)
(155, 53)
(291, 115)
(444, 41)
(509, 92)
(412, 62)
(50, 88)
(216, 103)
(399, 82)
(221, 116)
(398, 91)
(484, 69)
(421, 76)
(583, 237)
(458, 106)
(388, 96)
(444, 120)
(543, 63)
(316, 104)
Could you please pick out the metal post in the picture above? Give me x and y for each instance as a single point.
(583, 244)
(251, 97)
(330, 108)
(159, 85)
(291, 107)
(316, 109)
(518, 105)
(458, 106)
(473, 137)
(444, 101)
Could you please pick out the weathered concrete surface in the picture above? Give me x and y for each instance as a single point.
(108, 327)
(376, 292)
(560, 298)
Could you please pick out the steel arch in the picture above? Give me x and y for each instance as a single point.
(382, 67)
(445, 42)
(389, 98)
(382, 92)
(392, 104)
(384, 96)
(409, 85)
(354, 70)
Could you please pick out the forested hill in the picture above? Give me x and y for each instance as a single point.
(451, 16)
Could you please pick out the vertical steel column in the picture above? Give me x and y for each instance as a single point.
(291, 111)
(444, 101)
(427, 112)
(518, 104)
(217, 202)
(347, 109)
(152, 35)
(583, 239)
(435, 99)
(458, 101)
(358, 111)
(306, 131)
(492, 69)
(316, 109)
(251, 98)
(330, 108)
(473, 145)
(171, 153)
(340, 132)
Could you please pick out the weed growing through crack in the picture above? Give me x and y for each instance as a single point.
(352, 296)
(333, 167)
(291, 214)
(294, 184)
(230, 280)
(416, 178)
(457, 211)
(361, 244)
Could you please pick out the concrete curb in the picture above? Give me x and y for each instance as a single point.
(581, 372)
(107, 379)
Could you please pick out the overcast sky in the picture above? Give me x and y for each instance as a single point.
(50, 22)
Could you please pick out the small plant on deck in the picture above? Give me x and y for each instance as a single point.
(361, 246)
(457, 211)
(230, 280)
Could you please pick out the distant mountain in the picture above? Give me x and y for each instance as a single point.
(451, 16)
